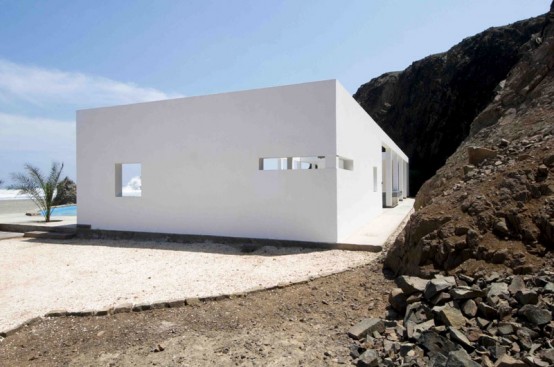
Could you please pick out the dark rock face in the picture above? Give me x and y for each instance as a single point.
(428, 108)
(499, 210)
(536, 315)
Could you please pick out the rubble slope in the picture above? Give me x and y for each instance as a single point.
(492, 203)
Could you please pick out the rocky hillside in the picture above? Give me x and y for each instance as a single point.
(457, 321)
(428, 108)
(492, 204)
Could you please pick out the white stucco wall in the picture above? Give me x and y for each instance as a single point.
(358, 138)
(199, 159)
(357, 203)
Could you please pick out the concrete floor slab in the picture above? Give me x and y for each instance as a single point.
(7, 235)
(370, 237)
(378, 230)
(12, 214)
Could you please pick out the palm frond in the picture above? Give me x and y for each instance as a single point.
(40, 189)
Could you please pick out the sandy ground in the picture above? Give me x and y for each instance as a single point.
(16, 207)
(39, 276)
(13, 211)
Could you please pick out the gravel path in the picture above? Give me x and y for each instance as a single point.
(40, 276)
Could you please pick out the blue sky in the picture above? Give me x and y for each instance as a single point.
(59, 56)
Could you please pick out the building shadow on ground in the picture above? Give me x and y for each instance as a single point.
(246, 248)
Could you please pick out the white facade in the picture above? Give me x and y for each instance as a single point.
(202, 166)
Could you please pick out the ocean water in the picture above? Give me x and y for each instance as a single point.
(6, 194)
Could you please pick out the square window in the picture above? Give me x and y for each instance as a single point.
(128, 180)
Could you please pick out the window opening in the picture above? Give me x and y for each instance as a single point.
(128, 181)
(294, 163)
(374, 179)
(344, 163)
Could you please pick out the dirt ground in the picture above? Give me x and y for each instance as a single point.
(300, 325)
(39, 275)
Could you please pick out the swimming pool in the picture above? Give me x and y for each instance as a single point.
(68, 210)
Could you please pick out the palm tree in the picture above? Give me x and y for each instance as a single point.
(40, 188)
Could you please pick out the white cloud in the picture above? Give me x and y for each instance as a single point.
(133, 187)
(22, 133)
(42, 87)
(27, 90)
(38, 141)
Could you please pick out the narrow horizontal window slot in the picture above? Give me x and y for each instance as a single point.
(291, 163)
(344, 163)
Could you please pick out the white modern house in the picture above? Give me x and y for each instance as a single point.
(300, 162)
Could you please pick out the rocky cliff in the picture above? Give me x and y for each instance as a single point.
(428, 108)
(492, 203)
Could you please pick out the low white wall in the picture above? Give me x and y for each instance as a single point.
(199, 159)
(358, 138)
